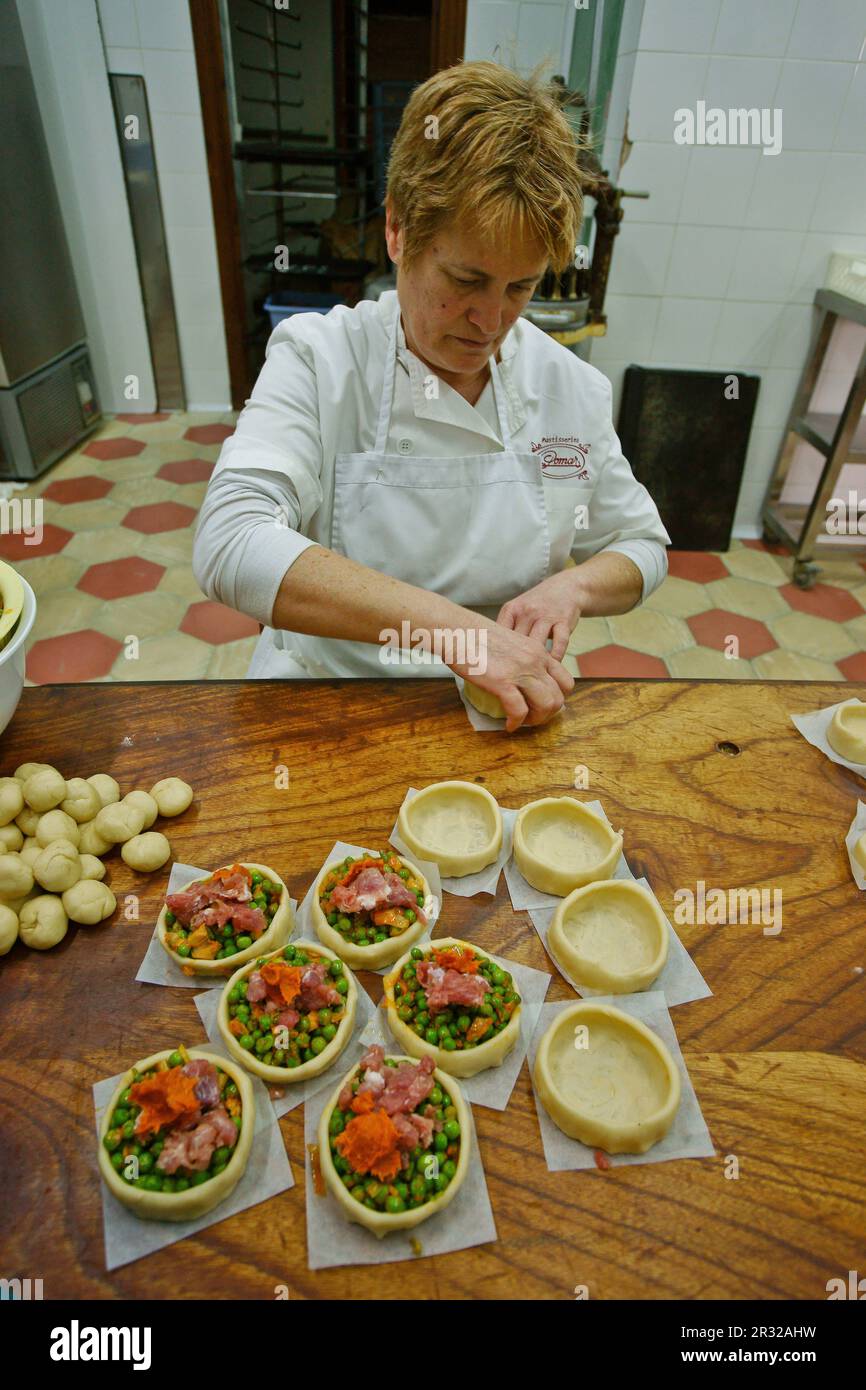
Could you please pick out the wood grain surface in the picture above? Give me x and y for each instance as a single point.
(776, 1055)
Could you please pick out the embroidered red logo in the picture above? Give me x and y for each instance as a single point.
(562, 456)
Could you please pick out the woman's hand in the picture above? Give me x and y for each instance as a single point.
(551, 609)
(527, 678)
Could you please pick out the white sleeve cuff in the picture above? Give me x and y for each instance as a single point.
(649, 556)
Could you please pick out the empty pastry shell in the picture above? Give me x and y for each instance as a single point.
(846, 732)
(560, 845)
(456, 825)
(611, 936)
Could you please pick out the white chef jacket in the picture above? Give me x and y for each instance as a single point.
(324, 410)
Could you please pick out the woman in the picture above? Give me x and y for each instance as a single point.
(426, 463)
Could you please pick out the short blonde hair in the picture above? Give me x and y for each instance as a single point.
(500, 154)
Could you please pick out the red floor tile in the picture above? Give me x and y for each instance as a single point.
(823, 601)
(52, 541)
(853, 668)
(155, 419)
(698, 565)
(209, 434)
(614, 660)
(775, 549)
(69, 490)
(120, 448)
(186, 471)
(213, 622)
(120, 578)
(159, 516)
(713, 627)
(77, 656)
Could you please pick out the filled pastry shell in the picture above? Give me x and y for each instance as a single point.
(384, 886)
(276, 934)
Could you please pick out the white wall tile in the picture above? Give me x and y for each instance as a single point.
(811, 96)
(794, 335)
(196, 301)
(775, 397)
(632, 22)
(785, 190)
(841, 202)
(491, 24)
(118, 24)
(164, 24)
(685, 331)
(701, 262)
(125, 60)
(640, 259)
(192, 254)
(179, 143)
(851, 129)
(631, 324)
(765, 264)
(750, 83)
(661, 171)
(539, 34)
(172, 81)
(745, 336)
(719, 185)
(663, 82)
(186, 200)
(831, 29)
(679, 26)
(761, 30)
(203, 344)
(814, 262)
(206, 390)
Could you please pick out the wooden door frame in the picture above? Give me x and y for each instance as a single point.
(448, 31)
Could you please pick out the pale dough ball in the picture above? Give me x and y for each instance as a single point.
(27, 821)
(105, 787)
(16, 876)
(44, 789)
(25, 770)
(11, 837)
(90, 841)
(56, 825)
(119, 822)
(82, 801)
(8, 929)
(172, 796)
(89, 902)
(43, 921)
(145, 802)
(483, 700)
(11, 799)
(58, 866)
(91, 867)
(146, 853)
(30, 850)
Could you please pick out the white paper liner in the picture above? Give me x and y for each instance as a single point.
(485, 881)
(207, 1004)
(491, 1088)
(268, 1172)
(524, 896)
(813, 726)
(680, 980)
(688, 1136)
(157, 967)
(484, 723)
(304, 917)
(334, 1240)
(855, 830)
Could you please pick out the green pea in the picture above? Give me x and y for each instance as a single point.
(111, 1142)
(463, 1023)
(332, 919)
(120, 1117)
(222, 1154)
(117, 1161)
(380, 936)
(255, 876)
(404, 1013)
(157, 1147)
(318, 1045)
(335, 968)
(449, 1168)
(246, 1041)
(264, 1044)
(440, 1141)
(410, 915)
(394, 1204)
(324, 1016)
(343, 924)
(243, 942)
(129, 1129)
(183, 950)
(432, 1037)
(403, 873)
(329, 1032)
(448, 1044)
(181, 1184)
(359, 1194)
(199, 1178)
(175, 1060)
(168, 1185)
(452, 1129)
(301, 958)
(342, 985)
(145, 1163)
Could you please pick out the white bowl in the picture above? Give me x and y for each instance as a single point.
(12, 658)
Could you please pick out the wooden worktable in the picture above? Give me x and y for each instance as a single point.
(776, 1055)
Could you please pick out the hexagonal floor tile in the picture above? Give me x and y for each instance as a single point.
(187, 471)
(119, 578)
(679, 597)
(699, 565)
(231, 661)
(783, 665)
(715, 627)
(164, 658)
(209, 434)
(853, 668)
(758, 565)
(589, 634)
(645, 630)
(145, 419)
(746, 597)
(119, 448)
(620, 661)
(214, 622)
(68, 490)
(823, 601)
(775, 548)
(53, 539)
(159, 516)
(76, 656)
(700, 663)
(819, 638)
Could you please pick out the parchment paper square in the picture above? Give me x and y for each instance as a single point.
(268, 1172)
(688, 1136)
(855, 830)
(524, 896)
(813, 726)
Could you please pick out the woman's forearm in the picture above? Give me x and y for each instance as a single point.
(607, 583)
(328, 595)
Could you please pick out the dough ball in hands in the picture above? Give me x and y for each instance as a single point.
(58, 866)
(105, 787)
(45, 789)
(43, 921)
(11, 838)
(91, 867)
(145, 803)
(8, 929)
(119, 822)
(88, 902)
(11, 799)
(28, 820)
(56, 825)
(16, 876)
(90, 841)
(172, 796)
(82, 801)
(146, 853)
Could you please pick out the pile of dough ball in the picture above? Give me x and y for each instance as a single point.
(54, 832)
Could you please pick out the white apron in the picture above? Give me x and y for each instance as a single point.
(477, 529)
